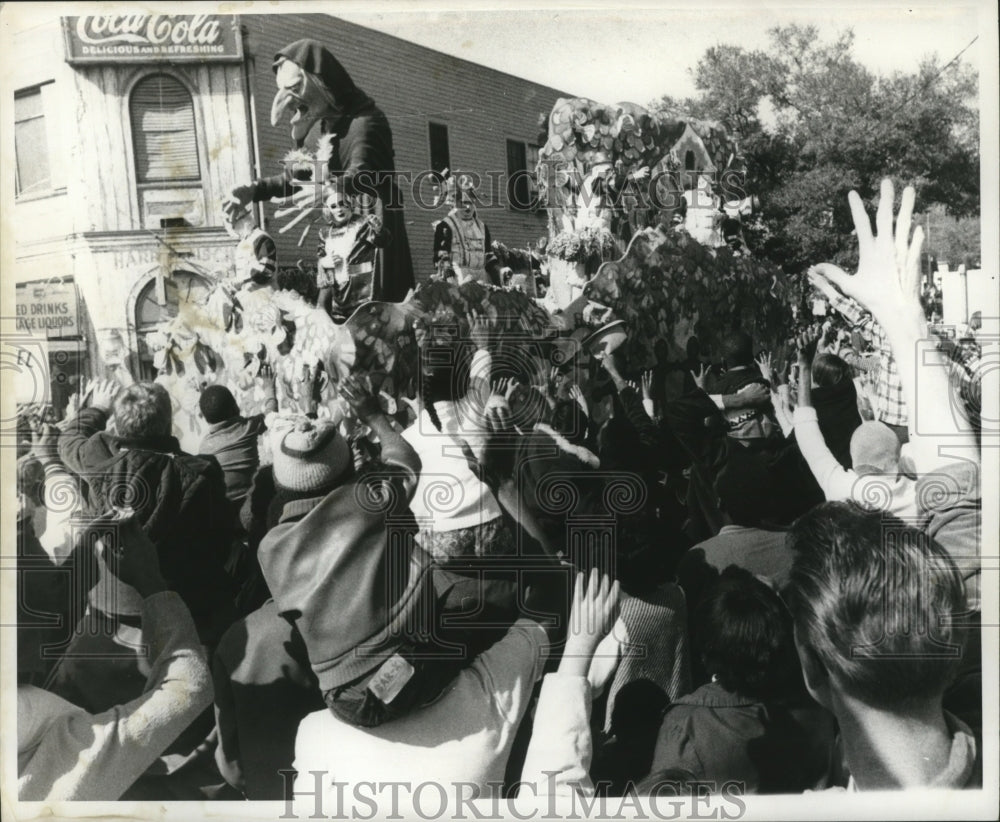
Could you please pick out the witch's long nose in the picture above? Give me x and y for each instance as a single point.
(284, 101)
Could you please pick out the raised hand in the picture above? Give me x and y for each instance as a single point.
(765, 365)
(592, 613)
(128, 552)
(479, 331)
(236, 202)
(503, 388)
(363, 403)
(806, 343)
(647, 385)
(104, 393)
(576, 394)
(512, 386)
(44, 442)
(700, 376)
(267, 379)
(543, 382)
(498, 418)
(887, 282)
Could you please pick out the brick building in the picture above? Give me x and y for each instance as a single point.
(445, 113)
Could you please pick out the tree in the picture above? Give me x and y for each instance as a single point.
(836, 127)
(955, 240)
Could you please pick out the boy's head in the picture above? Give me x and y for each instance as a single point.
(875, 449)
(829, 370)
(873, 602)
(143, 410)
(312, 458)
(661, 351)
(737, 349)
(692, 348)
(217, 404)
(746, 490)
(744, 634)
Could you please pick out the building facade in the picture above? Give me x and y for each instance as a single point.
(131, 129)
(128, 132)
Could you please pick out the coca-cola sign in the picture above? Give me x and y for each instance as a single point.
(141, 38)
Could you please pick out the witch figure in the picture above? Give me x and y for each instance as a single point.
(313, 87)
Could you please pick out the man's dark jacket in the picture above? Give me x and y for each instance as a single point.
(179, 499)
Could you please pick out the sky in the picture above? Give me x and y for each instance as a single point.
(639, 53)
(634, 50)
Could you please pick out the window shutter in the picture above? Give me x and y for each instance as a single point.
(163, 131)
(440, 154)
(517, 181)
(30, 144)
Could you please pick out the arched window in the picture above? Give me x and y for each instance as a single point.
(689, 160)
(163, 131)
(149, 313)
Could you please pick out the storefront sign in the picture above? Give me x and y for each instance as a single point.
(212, 257)
(48, 309)
(141, 38)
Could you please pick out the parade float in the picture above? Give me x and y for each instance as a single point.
(635, 199)
(626, 261)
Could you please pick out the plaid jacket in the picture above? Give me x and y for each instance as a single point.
(890, 402)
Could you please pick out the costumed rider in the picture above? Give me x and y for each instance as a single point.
(732, 222)
(461, 240)
(256, 254)
(703, 214)
(313, 87)
(346, 254)
(249, 291)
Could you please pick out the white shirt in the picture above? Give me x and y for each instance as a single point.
(449, 495)
(65, 753)
(464, 736)
(894, 494)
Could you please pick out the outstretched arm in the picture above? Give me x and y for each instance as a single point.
(887, 283)
(561, 746)
(110, 750)
(836, 482)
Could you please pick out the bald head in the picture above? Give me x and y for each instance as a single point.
(874, 448)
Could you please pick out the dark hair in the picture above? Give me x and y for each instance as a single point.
(661, 350)
(746, 489)
(874, 599)
(444, 377)
(569, 419)
(744, 634)
(31, 479)
(217, 403)
(829, 369)
(692, 348)
(639, 707)
(737, 348)
(298, 280)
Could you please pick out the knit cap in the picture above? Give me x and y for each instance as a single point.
(311, 456)
(874, 448)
